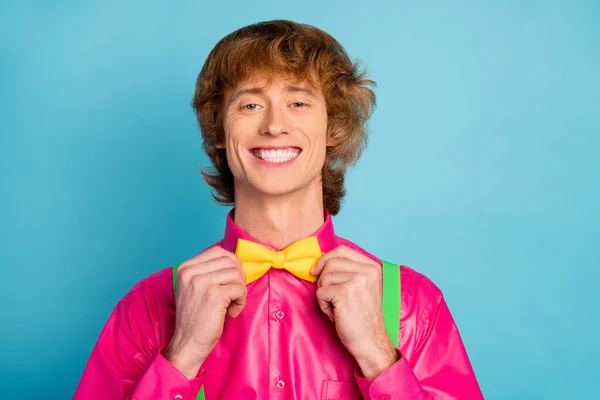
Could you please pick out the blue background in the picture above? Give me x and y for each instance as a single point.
(482, 171)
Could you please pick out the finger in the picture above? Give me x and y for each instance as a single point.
(326, 298)
(221, 277)
(238, 294)
(320, 265)
(343, 252)
(335, 264)
(210, 254)
(204, 255)
(328, 278)
(343, 265)
(188, 272)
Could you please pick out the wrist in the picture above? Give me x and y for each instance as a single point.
(186, 361)
(374, 363)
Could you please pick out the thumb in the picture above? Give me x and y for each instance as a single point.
(235, 309)
(325, 297)
(237, 294)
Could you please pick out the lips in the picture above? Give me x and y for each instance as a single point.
(279, 155)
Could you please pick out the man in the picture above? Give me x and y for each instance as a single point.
(282, 111)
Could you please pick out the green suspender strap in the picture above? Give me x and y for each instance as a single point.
(391, 300)
(391, 304)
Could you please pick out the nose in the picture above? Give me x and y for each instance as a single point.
(275, 122)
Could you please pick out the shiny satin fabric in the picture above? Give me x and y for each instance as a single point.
(280, 347)
(297, 344)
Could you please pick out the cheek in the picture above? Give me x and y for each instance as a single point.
(234, 132)
(321, 122)
(319, 131)
(234, 152)
(318, 139)
(232, 127)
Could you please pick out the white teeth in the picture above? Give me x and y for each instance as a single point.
(277, 156)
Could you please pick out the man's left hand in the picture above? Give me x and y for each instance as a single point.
(349, 291)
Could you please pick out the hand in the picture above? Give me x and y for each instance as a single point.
(209, 286)
(350, 291)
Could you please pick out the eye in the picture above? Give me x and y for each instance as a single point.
(299, 104)
(250, 107)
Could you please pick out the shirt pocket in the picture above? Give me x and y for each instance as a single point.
(337, 390)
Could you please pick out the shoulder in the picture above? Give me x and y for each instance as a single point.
(155, 289)
(158, 284)
(419, 293)
(418, 286)
(149, 299)
(419, 305)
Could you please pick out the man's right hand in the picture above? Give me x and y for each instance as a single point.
(209, 286)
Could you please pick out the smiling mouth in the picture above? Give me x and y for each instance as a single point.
(276, 155)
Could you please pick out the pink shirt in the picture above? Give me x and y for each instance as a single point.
(281, 346)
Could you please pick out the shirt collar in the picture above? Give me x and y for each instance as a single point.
(325, 235)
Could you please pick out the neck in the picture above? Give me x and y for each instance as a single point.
(280, 220)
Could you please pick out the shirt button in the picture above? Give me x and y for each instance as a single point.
(178, 397)
(280, 384)
(279, 314)
(384, 397)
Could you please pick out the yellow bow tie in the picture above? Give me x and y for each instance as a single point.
(298, 258)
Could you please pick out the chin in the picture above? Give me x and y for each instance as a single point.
(277, 186)
(277, 190)
(281, 184)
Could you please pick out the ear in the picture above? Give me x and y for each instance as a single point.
(219, 146)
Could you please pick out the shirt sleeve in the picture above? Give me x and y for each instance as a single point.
(439, 368)
(126, 363)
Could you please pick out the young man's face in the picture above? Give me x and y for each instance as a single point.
(275, 136)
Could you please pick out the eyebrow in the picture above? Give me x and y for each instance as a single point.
(258, 90)
(301, 89)
(241, 92)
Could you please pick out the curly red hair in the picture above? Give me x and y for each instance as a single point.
(307, 54)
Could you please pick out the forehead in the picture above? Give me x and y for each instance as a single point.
(264, 80)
